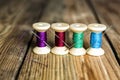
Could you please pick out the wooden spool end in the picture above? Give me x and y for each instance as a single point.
(78, 27)
(41, 26)
(95, 27)
(60, 27)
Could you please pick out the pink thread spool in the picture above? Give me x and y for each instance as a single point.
(60, 28)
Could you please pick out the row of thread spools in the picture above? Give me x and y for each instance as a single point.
(78, 36)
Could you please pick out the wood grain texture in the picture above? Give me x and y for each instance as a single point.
(68, 67)
(16, 18)
(110, 15)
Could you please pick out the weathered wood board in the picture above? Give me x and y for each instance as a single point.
(68, 67)
(17, 60)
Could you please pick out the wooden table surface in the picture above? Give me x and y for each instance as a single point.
(17, 60)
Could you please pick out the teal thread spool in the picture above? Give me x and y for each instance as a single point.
(78, 37)
(96, 39)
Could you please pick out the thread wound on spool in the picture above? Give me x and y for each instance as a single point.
(96, 40)
(42, 39)
(78, 40)
(59, 39)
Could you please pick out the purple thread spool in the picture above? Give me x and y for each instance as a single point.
(42, 39)
(41, 28)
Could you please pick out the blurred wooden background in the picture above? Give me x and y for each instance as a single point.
(18, 62)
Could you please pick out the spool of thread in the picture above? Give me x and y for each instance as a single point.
(96, 39)
(78, 37)
(60, 48)
(41, 39)
(41, 28)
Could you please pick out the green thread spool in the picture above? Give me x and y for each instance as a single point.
(78, 39)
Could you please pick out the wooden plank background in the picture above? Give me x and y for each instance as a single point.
(18, 62)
